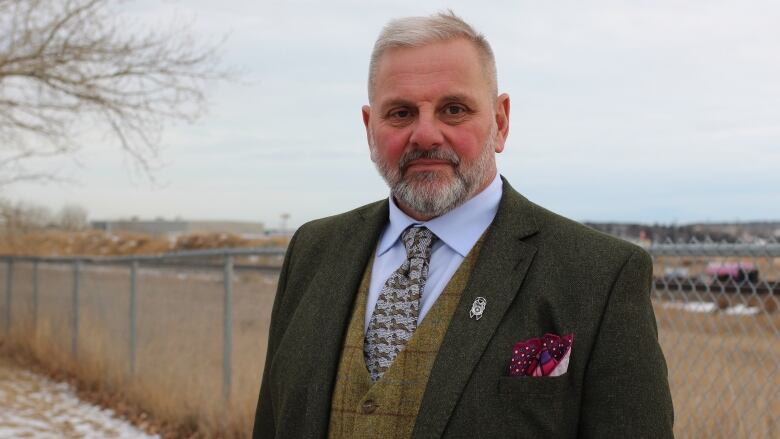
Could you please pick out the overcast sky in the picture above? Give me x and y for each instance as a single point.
(646, 111)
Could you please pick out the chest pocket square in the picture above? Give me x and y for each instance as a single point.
(541, 357)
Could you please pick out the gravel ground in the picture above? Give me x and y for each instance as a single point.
(33, 406)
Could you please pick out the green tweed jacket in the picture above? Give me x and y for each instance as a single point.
(540, 273)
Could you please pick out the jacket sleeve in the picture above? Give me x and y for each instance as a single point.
(264, 415)
(626, 391)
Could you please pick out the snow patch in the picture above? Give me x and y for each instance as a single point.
(35, 406)
(698, 307)
(711, 307)
(742, 310)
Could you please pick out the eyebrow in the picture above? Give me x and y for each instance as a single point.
(457, 98)
(400, 102)
(397, 102)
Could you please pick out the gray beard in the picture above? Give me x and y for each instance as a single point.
(428, 193)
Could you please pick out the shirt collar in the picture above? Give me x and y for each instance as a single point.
(459, 228)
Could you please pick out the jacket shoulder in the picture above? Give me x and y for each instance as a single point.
(323, 228)
(576, 230)
(557, 235)
(582, 245)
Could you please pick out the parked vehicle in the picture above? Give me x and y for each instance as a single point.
(677, 273)
(733, 271)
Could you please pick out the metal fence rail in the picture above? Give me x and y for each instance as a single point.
(150, 317)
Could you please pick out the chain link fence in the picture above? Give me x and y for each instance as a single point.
(716, 306)
(187, 332)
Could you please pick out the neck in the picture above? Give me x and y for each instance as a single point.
(413, 213)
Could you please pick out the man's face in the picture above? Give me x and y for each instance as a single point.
(434, 127)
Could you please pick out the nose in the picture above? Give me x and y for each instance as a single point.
(426, 133)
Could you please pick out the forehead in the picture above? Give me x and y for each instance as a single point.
(430, 71)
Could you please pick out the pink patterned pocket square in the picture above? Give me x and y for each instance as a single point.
(541, 357)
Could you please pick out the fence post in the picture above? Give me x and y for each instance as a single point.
(227, 321)
(75, 306)
(35, 294)
(9, 283)
(133, 286)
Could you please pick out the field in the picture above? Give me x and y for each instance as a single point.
(723, 367)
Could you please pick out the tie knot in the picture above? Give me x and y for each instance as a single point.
(418, 242)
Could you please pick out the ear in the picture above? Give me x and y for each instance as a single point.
(502, 121)
(366, 110)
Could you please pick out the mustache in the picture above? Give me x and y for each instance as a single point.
(445, 154)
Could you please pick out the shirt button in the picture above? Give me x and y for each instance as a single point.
(369, 406)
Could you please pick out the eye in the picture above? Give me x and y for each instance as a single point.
(454, 110)
(401, 113)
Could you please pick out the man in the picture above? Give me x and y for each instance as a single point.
(457, 308)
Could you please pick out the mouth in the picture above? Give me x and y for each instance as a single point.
(428, 165)
(432, 161)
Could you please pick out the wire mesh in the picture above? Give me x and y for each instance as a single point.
(179, 333)
(103, 326)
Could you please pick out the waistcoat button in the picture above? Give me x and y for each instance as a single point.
(369, 406)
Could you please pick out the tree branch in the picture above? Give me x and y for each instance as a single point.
(66, 62)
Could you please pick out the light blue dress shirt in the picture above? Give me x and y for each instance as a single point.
(458, 230)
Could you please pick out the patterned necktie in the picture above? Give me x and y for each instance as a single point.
(398, 306)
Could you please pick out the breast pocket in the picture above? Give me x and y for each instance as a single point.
(537, 386)
(527, 407)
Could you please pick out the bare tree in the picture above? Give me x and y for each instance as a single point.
(73, 217)
(23, 217)
(70, 66)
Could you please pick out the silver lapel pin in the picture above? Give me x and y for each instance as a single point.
(477, 308)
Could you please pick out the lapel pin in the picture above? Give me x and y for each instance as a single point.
(477, 308)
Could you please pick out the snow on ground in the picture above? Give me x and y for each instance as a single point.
(705, 307)
(710, 307)
(33, 406)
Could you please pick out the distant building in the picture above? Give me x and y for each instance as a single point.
(161, 227)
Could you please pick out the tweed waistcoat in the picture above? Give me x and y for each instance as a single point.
(388, 408)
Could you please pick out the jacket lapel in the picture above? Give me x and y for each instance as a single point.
(497, 276)
(334, 289)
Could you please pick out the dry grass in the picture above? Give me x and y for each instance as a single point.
(724, 369)
(98, 243)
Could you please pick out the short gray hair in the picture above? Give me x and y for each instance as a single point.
(420, 31)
